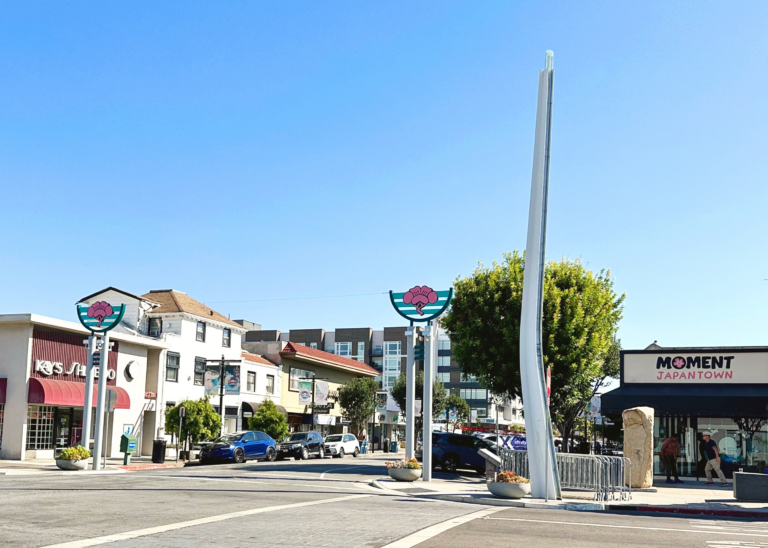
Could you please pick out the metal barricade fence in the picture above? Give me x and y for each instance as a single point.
(607, 476)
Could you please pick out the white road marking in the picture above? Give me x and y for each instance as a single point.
(192, 523)
(254, 481)
(713, 525)
(630, 527)
(734, 544)
(322, 476)
(426, 534)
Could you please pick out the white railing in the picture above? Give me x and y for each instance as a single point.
(605, 475)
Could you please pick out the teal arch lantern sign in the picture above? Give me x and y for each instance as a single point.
(100, 317)
(421, 303)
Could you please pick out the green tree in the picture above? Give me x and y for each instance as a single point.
(201, 421)
(462, 411)
(580, 318)
(438, 396)
(357, 399)
(269, 420)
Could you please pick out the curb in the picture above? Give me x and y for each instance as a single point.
(689, 511)
(139, 467)
(511, 503)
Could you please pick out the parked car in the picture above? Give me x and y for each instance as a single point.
(456, 451)
(240, 447)
(339, 445)
(300, 445)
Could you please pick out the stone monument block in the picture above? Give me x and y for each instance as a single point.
(638, 445)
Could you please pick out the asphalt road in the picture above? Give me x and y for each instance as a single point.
(309, 503)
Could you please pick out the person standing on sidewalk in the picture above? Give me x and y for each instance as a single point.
(713, 460)
(670, 450)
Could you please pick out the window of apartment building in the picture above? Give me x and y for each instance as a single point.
(392, 356)
(474, 393)
(155, 327)
(199, 371)
(313, 345)
(270, 384)
(443, 361)
(40, 427)
(361, 351)
(251, 386)
(481, 412)
(172, 362)
(466, 377)
(296, 375)
(200, 332)
(343, 349)
(443, 377)
(443, 344)
(226, 338)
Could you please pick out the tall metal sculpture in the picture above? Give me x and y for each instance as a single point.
(538, 426)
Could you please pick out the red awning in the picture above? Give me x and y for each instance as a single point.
(3, 388)
(53, 392)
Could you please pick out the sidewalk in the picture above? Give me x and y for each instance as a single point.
(48, 466)
(691, 497)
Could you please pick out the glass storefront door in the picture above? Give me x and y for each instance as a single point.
(663, 428)
(62, 433)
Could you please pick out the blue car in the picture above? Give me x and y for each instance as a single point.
(454, 451)
(239, 447)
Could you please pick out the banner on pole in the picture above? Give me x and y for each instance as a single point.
(212, 382)
(321, 392)
(305, 392)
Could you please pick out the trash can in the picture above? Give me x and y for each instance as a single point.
(363, 447)
(158, 451)
(385, 443)
(393, 447)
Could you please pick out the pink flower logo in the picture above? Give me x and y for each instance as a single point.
(678, 363)
(100, 310)
(419, 297)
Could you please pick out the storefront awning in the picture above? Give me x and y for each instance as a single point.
(53, 392)
(3, 388)
(254, 406)
(699, 400)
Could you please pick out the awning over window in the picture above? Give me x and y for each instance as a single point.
(699, 400)
(3, 388)
(252, 407)
(53, 392)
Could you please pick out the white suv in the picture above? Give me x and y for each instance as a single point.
(338, 445)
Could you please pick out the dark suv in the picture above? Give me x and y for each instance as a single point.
(454, 451)
(301, 445)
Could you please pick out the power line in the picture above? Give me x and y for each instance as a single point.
(301, 298)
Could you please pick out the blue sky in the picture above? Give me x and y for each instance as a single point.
(252, 151)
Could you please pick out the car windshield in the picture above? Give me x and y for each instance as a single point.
(334, 438)
(297, 437)
(229, 438)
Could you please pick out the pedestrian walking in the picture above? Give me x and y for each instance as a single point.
(670, 450)
(713, 460)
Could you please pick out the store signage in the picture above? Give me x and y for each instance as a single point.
(100, 317)
(48, 368)
(322, 407)
(421, 303)
(716, 366)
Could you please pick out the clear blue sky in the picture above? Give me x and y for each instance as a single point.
(244, 151)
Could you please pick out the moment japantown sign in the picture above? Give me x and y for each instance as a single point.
(421, 303)
(695, 366)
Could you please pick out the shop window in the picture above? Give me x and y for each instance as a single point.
(172, 367)
(40, 427)
(251, 387)
(297, 374)
(199, 371)
(226, 338)
(481, 413)
(155, 327)
(200, 332)
(270, 384)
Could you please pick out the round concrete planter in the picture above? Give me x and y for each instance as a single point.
(404, 474)
(509, 490)
(81, 464)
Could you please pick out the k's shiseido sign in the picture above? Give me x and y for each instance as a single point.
(715, 366)
(62, 356)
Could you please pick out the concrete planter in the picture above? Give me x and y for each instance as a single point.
(72, 464)
(404, 474)
(750, 487)
(509, 490)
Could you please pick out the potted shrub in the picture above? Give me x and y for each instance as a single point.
(508, 485)
(404, 470)
(73, 458)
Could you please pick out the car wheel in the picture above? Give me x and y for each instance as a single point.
(271, 454)
(357, 452)
(304, 453)
(450, 464)
(239, 456)
(341, 453)
(321, 454)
